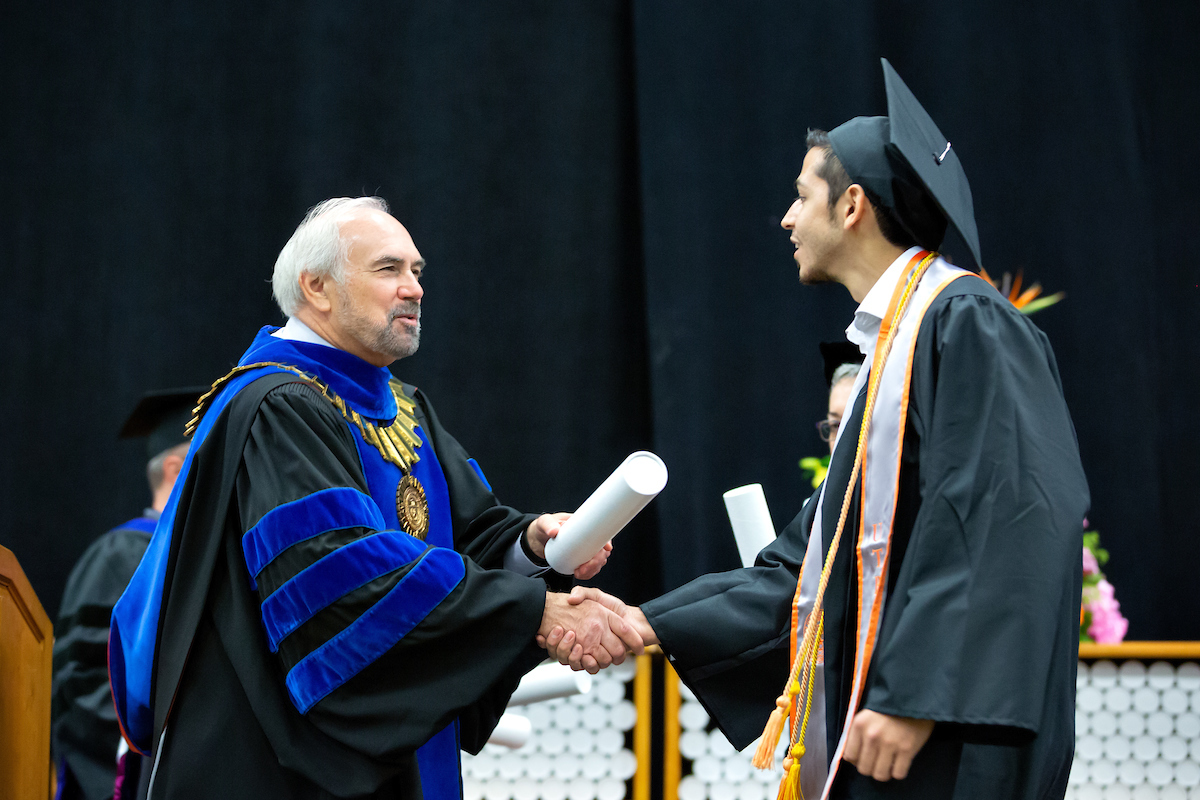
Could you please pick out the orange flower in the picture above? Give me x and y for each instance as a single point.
(1027, 302)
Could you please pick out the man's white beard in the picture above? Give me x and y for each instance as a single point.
(386, 339)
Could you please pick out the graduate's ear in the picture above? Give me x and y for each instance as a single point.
(853, 208)
(316, 290)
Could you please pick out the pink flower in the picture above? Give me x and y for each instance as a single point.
(1108, 626)
(1090, 565)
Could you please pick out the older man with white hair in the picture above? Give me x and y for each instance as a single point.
(335, 602)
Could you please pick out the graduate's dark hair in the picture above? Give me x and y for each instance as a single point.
(833, 173)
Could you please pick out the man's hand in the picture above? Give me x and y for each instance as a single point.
(546, 527)
(599, 636)
(562, 643)
(883, 747)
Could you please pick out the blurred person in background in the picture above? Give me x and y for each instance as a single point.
(84, 730)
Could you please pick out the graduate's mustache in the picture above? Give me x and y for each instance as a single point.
(407, 309)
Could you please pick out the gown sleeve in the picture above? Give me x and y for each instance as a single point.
(983, 612)
(382, 640)
(728, 633)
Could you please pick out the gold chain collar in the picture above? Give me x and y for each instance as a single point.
(397, 442)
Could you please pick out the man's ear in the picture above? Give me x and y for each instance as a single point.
(854, 207)
(172, 464)
(315, 289)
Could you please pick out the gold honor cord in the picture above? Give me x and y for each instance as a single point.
(397, 443)
(806, 652)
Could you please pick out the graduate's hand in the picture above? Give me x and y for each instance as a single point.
(597, 636)
(632, 614)
(561, 643)
(883, 747)
(546, 527)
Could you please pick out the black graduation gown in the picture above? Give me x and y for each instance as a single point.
(979, 632)
(233, 731)
(84, 730)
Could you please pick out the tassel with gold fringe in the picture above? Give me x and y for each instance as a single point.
(764, 756)
(789, 787)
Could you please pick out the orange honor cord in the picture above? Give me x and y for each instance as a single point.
(806, 652)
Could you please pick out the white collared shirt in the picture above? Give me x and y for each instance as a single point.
(297, 331)
(868, 317)
(864, 330)
(515, 559)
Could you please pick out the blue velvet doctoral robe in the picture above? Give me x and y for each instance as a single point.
(294, 621)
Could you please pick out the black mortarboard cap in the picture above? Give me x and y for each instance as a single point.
(161, 417)
(905, 164)
(837, 353)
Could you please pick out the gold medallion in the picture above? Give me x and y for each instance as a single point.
(412, 508)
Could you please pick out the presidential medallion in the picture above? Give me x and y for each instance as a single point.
(412, 508)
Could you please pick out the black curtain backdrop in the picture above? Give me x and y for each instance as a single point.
(597, 188)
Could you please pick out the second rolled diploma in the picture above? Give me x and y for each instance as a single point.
(623, 494)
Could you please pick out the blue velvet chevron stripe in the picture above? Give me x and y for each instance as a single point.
(133, 632)
(377, 630)
(320, 512)
(334, 576)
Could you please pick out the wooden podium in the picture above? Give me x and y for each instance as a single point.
(26, 645)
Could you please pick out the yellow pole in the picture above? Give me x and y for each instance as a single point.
(672, 765)
(641, 729)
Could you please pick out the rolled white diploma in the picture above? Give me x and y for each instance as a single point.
(751, 520)
(623, 494)
(550, 682)
(511, 731)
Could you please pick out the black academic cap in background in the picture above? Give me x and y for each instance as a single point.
(161, 416)
(837, 353)
(906, 165)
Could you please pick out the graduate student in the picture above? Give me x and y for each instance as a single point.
(84, 732)
(334, 602)
(918, 620)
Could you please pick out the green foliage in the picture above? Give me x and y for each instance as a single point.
(1042, 302)
(1091, 540)
(817, 466)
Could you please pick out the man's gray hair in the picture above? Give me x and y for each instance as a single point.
(154, 468)
(316, 248)
(844, 371)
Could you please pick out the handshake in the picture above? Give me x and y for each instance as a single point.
(590, 630)
(587, 628)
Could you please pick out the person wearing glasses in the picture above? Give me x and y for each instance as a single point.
(843, 360)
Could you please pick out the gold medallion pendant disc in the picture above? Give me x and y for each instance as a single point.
(412, 508)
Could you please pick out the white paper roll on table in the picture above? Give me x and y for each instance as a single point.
(549, 682)
(751, 520)
(623, 494)
(511, 731)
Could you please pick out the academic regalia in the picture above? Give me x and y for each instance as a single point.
(309, 647)
(984, 590)
(978, 631)
(84, 730)
(835, 355)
